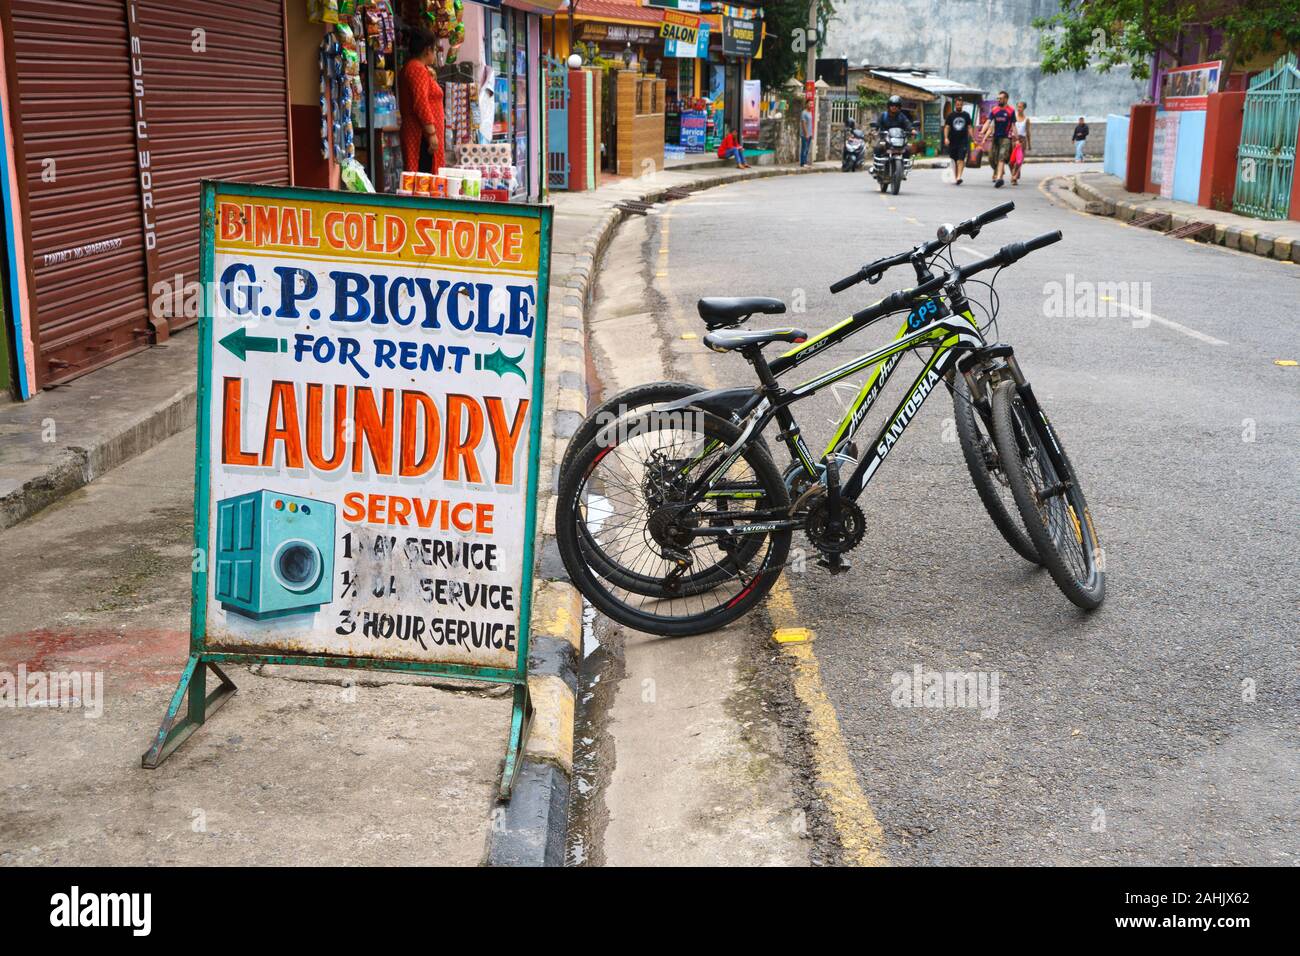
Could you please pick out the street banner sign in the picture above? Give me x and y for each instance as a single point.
(751, 116)
(1189, 87)
(370, 400)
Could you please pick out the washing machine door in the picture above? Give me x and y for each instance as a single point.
(297, 565)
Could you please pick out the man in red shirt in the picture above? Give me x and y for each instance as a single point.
(1002, 122)
(420, 100)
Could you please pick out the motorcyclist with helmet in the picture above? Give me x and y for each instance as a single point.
(893, 117)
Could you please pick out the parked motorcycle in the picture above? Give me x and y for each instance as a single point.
(891, 165)
(855, 148)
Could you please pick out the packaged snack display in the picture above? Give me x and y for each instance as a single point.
(354, 177)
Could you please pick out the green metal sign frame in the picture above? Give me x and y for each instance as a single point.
(192, 691)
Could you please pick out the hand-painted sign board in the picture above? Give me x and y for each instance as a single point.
(370, 400)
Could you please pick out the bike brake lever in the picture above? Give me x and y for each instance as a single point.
(875, 278)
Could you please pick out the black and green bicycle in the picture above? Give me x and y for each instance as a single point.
(675, 520)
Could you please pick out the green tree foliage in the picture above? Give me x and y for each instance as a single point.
(785, 50)
(1104, 34)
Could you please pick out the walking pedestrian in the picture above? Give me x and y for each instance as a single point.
(956, 138)
(1080, 138)
(1020, 148)
(1001, 123)
(805, 135)
(730, 148)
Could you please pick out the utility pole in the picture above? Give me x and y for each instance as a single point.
(810, 76)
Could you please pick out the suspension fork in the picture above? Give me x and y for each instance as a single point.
(1037, 419)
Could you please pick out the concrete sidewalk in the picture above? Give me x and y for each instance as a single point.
(298, 769)
(1105, 195)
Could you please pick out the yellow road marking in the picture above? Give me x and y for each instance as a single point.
(1285, 362)
(792, 635)
(860, 833)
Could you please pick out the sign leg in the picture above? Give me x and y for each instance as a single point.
(521, 717)
(200, 705)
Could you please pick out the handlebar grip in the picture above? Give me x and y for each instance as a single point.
(1039, 242)
(846, 282)
(994, 214)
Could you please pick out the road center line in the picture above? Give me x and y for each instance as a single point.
(1169, 323)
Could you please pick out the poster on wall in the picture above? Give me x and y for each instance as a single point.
(1189, 87)
(1164, 154)
(750, 114)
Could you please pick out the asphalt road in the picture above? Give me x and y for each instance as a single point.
(1163, 728)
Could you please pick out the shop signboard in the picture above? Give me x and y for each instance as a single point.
(1189, 87)
(680, 27)
(616, 32)
(739, 37)
(699, 49)
(750, 117)
(695, 125)
(370, 400)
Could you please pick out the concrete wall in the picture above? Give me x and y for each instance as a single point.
(988, 43)
(1056, 139)
(1115, 161)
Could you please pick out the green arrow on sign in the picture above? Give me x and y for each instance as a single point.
(500, 363)
(241, 343)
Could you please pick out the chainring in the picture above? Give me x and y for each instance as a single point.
(853, 526)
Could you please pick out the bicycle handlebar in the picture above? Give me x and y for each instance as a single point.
(970, 227)
(1011, 252)
(903, 298)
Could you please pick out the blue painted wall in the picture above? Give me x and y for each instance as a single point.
(1115, 158)
(1187, 165)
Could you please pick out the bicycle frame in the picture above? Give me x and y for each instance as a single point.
(948, 335)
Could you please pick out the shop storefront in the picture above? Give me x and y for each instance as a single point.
(114, 110)
(702, 49)
(487, 66)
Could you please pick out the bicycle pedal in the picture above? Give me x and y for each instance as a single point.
(834, 564)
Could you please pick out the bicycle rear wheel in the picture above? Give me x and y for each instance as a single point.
(620, 513)
(981, 454)
(1052, 504)
(625, 407)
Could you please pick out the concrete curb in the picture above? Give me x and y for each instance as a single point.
(532, 829)
(1270, 245)
(153, 397)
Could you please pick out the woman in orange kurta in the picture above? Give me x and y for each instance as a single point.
(420, 100)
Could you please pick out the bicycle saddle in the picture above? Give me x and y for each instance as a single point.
(720, 312)
(726, 341)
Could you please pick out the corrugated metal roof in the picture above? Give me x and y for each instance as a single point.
(629, 11)
(925, 80)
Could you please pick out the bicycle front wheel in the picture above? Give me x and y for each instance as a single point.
(1051, 503)
(986, 471)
